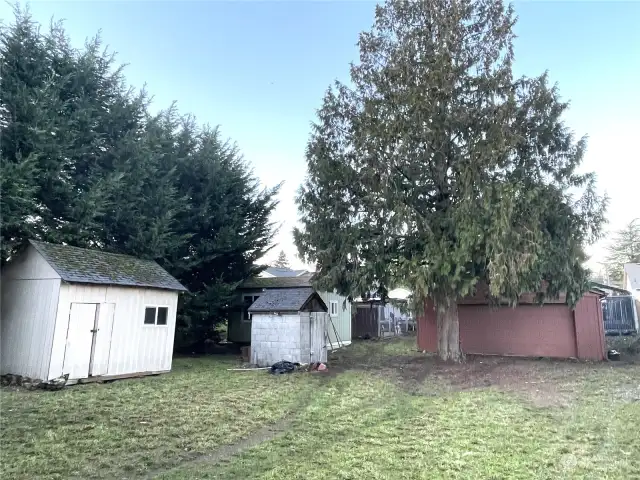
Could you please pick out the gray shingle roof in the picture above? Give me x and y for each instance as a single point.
(284, 272)
(278, 282)
(284, 300)
(79, 265)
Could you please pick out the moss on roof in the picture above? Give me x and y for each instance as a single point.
(80, 265)
(286, 300)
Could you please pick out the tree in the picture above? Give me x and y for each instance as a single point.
(282, 261)
(624, 248)
(85, 163)
(438, 169)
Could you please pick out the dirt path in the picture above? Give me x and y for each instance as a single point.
(225, 452)
(264, 434)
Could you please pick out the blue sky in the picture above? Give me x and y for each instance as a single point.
(259, 70)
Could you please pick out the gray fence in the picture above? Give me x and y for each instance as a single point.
(619, 315)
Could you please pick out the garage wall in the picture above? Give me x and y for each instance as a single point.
(550, 330)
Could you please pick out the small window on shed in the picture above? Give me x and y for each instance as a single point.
(162, 315)
(150, 316)
(334, 308)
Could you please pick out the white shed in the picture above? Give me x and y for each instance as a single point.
(288, 324)
(86, 313)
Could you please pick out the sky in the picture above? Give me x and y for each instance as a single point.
(259, 69)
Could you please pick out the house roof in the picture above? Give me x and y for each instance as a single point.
(633, 274)
(80, 265)
(285, 300)
(284, 272)
(277, 282)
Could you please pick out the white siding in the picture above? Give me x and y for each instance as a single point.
(134, 347)
(29, 300)
(276, 337)
(342, 321)
(29, 265)
(27, 325)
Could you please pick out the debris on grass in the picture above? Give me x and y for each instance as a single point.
(283, 366)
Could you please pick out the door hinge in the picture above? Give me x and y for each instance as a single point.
(95, 330)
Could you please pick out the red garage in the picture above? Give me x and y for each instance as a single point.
(528, 330)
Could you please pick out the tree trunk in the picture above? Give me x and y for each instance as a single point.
(448, 329)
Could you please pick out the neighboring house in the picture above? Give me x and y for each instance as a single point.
(239, 324)
(86, 313)
(281, 272)
(288, 324)
(631, 279)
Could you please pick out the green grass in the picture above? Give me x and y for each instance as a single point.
(363, 427)
(130, 426)
(362, 422)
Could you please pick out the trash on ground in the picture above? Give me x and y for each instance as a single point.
(613, 355)
(282, 367)
(317, 367)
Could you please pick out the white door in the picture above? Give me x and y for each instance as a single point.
(102, 340)
(77, 355)
(318, 333)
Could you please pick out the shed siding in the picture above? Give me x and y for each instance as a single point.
(342, 321)
(589, 329)
(134, 347)
(276, 337)
(240, 331)
(28, 319)
(527, 330)
(29, 266)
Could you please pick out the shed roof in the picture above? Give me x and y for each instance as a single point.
(80, 265)
(286, 300)
(278, 282)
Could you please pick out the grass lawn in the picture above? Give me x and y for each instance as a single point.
(384, 411)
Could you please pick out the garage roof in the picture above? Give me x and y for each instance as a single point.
(80, 265)
(287, 300)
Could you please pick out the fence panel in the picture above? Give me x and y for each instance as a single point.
(618, 313)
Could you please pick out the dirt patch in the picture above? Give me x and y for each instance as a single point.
(543, 382)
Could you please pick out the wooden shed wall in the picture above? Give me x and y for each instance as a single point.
(550, 330)
(30, 289)
(134, 346)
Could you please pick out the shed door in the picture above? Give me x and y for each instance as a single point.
(319, 335)
(102, 340)
(77, 355)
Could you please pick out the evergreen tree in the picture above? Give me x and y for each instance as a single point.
(624, 248)
(440, 170)
(85, 163)
(282, 261)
